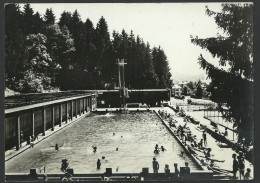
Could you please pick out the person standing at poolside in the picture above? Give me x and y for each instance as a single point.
(22, 136)
(176, 170)
(64, 165)
(241, 164)
(187, 168)
(247, 175)
(98, 164)
(167, 171)
(226, 132)
(235, 166)
(207, 154)
(204, 138)
(31, 141)
(155, 166)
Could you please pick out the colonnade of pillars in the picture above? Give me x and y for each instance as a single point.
(69, 115)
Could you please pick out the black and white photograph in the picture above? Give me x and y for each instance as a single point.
(99, 92)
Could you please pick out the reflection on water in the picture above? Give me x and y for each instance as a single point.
(135, 136)
(108, 114)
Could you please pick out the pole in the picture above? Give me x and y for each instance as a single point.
(60, 114)
(204, 111)
(33, 121)
(119, 77)
(71, 110)
(218, 117)
(53, 118)
(43, 120)
(18, 132)
(67, 111)
(233, 133)
(76, 108)
(84, 106)
(123, 82)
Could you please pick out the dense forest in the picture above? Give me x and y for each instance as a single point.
(43, 54)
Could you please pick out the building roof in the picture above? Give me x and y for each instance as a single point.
(183, 83)
(35, 98)
(176, 87)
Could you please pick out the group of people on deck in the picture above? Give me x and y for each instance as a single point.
(185, 170)
(201, 146)
(239, 165)
(195, 146)
(169, 117)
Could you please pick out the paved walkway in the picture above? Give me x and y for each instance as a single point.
(199, 115)
(217, 152)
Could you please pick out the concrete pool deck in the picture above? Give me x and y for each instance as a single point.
(217, 152)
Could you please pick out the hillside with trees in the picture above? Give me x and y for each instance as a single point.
(43, 54)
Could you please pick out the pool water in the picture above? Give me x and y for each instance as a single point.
(136, 135)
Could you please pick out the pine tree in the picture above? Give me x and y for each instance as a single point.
(66, 19)
(233, 88)
(162, 68)
(49, 17)
(77, 32)
(14, 45)
(102, 43)
(89, 45)
(102, 38)
(39, 23)
(28, 20)
(151, 78)
(199, 91)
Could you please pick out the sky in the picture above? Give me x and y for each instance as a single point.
(168, 25)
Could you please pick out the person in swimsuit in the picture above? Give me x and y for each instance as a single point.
(94, 149)
(155, 166)
(98, 164)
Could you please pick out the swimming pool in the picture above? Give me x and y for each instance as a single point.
(136, 135)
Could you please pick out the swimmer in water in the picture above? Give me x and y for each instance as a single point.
(163, 149)
(64, 165)
(156, 146)
(57, 147)
(114, 134)
(98, 164)
(117, 149)
(156, 151)
(94, 149)
(121, 136)
(182, 153)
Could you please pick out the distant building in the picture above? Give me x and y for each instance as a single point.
(176, 90)
(204, 86)
(182, 84)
